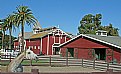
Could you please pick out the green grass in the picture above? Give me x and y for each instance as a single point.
(27, 62)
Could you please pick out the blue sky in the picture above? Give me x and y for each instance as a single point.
(65, 13)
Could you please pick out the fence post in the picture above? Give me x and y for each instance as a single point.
(107, 65)
(50, 61)
(30, 62)
(34, 71)
(94, 64)
(10, 57)
(82, 62)
(66, 61)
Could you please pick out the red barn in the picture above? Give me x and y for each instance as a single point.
(100, 47)
(44, 41)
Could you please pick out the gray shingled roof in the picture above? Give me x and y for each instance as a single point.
(116, 40)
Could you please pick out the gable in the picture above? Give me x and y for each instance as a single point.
(83, 42)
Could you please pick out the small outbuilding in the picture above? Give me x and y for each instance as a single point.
(99, 47)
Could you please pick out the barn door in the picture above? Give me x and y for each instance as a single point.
(91, 53)
(109, 55)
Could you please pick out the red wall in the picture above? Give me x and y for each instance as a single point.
(84, 43)
(51, 41)
(44, 45)
(117, 55)
(63, 52)
(82, 53)
(34, 42)
(56, 39)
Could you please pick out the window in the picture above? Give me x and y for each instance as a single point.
(34, 47)
(38, 47)
(99, 33)
(104, 33)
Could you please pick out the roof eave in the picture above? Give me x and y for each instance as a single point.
(92, 39)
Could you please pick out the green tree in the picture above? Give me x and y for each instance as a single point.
(6, 41)
(1, 34)
(111, 31)
(91, 23)
(97, 20)
(87, 24)
(24, 16)
(10, 22)
(4, 28)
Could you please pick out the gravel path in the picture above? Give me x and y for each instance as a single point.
(49, 69)
(59, 69)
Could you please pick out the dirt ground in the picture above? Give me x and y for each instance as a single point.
(49, 69)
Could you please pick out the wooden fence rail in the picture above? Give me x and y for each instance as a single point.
(70, 61)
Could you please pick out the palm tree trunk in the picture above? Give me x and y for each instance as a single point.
(3, 39)
(22, 28)
(10, 40)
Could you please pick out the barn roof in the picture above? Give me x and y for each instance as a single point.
(114, 41)
(44, 33)
(39, 35)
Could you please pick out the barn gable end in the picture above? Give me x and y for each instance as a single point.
(90, 46)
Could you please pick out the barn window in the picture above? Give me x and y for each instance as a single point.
(34, 47)
(38, 47)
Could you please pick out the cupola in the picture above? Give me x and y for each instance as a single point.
(101, 33)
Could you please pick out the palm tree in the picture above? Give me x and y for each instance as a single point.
(1, 34)
(24, 16)
(4, 28)
(10, 25)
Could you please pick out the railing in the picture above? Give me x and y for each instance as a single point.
(70, 61)
(36, 71)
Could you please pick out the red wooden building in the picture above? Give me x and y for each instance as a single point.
(100, 47)
(44, 41)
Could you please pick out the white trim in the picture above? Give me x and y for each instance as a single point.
(61, 31)
(34, 47)
(24, 44)
(48, 44)
(52, 49)
(29, 40)
(41, 45)
(93, 39)
(65, 38)
(56, 46)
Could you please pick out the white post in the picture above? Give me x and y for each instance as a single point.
(41, 45)
(48, 45)
(65, 38)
